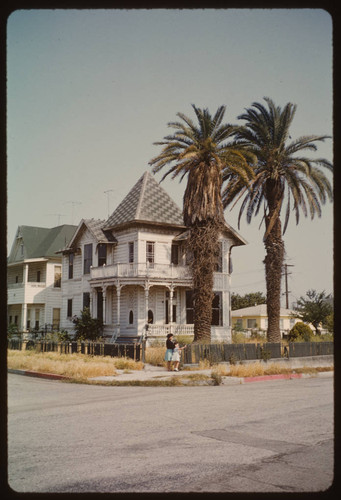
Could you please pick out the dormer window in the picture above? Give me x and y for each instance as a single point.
(87, 258)
(175, 254)
(102, 254)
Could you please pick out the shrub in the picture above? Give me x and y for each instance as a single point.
(300, 332)
(86, 327)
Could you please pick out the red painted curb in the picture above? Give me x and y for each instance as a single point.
(30, 373)
(282, 376)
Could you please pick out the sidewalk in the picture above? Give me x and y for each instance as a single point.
(156, 373)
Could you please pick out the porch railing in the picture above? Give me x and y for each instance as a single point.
(175, 329)
(144, 269)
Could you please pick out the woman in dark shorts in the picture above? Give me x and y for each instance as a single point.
(169, 352)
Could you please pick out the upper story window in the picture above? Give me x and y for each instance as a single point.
(38, 276)
(87, 258)
(150, 252)
(219, 262)
(102, 254)
(71, 259)
(175, 254)
(57, 276)
(131, 251)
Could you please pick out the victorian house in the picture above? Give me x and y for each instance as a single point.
(34, 272)
(132, 271)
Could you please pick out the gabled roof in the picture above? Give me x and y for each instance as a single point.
(40, 242)
(259, 310)
(95, 226)
(148, 202)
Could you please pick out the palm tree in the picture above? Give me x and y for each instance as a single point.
(201, 151)
(281, 177)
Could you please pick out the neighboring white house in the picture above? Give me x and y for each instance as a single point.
(34, 296)
(256, 318)
(131, 270)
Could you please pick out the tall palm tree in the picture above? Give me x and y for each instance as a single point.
(281, 177)
(201, 150)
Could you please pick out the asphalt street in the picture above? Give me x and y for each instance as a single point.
(275, 436)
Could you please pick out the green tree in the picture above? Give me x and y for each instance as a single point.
(200, 151)
(314, 308)
(86, 327)
(300, 332)
(247, 300)
(280, 177)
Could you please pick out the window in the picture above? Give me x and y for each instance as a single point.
(17, 279)
(71, 259)
(28, 322)
(87, 258)
(37, 314)
(131, 252)
(219, 262)
(56, 318)
(150, 252)
(15, 320)
(38, 276)
(252, 323)
(239, 323)
(86, 300)
(69, 308)
(175, 254)
(189, 307)
(131, 317)
(57, 276)
(217, 309)
(100, 305)
(150, 317)
(102, 254)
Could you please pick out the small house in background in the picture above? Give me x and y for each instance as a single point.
(34, 273)
(132, 270)
(256, 318)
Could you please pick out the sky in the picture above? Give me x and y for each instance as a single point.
(90, 91)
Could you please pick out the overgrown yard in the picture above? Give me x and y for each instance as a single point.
(80, 367)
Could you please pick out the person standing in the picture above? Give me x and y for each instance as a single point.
(170, 345)
(176, 356)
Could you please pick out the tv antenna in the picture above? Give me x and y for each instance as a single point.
(57, 215)
(107, 193)
(73, 203)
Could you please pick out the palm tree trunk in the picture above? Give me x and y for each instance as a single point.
(204, 245)
(273, 272)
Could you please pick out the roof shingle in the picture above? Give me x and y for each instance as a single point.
(147, 201)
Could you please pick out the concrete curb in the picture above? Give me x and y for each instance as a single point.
(30, 373)
(226, 380)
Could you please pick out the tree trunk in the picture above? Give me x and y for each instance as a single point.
(274, 246)
(204, 246)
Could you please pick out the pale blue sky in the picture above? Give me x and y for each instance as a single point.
(89, 91)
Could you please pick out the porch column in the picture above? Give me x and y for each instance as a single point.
(23, 317)
(25, 274)
(104, 292)
(118, 291)
(146, 298)
(171, 292)
(91, 301)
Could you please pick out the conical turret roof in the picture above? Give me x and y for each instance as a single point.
(148, 202)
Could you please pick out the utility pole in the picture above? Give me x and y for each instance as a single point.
(286, 284)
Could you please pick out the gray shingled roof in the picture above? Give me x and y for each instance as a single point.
(43, 242)
(147, 201)
(96, 227)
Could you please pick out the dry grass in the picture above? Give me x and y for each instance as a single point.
(76, 366)
(155, 355)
